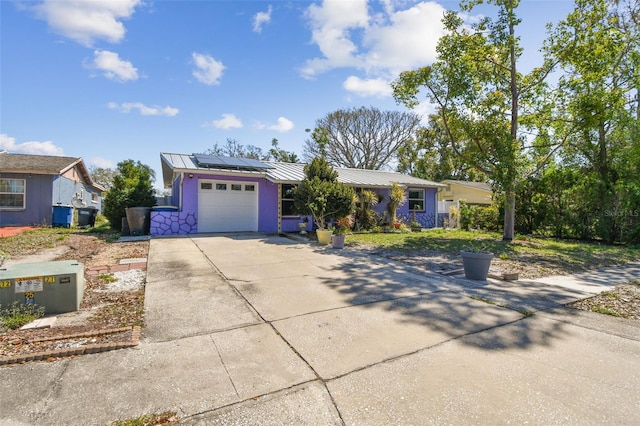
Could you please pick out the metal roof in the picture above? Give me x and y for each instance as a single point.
(482, 186)
(173, 164)
(294, 173)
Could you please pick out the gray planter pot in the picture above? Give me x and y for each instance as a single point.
(337, 241)
(476, 264)
(138, 219)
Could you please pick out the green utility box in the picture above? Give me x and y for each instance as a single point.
(58, 286)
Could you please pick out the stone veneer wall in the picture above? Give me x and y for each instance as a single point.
(173, 223)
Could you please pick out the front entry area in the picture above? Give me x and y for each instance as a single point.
(227, 206)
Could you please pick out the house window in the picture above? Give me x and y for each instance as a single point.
(236, 187)
(250, 188)
(206, 185)
(221, 186)
(416, 199)
(12, 194)
(94, 197)
(287, 199)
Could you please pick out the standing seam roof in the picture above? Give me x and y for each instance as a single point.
(294, 172)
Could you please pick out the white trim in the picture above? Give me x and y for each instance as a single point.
(23, 193)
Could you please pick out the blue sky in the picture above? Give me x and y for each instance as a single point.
(109, 80)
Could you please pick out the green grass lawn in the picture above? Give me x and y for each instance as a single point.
(584, 255)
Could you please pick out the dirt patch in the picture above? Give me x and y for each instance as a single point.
(622, 301)
(111, 302)
(443, 262)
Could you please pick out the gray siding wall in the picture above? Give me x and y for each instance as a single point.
(65, 189)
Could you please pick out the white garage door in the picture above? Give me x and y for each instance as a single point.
(225, 206)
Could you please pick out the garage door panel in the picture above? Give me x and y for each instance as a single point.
(226, 210)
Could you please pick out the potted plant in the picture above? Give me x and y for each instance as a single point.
(303, 226)
(343, 226)
(322, 196)
(476, 261)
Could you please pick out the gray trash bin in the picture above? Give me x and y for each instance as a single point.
(87, 216)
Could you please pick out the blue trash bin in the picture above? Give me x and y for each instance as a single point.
(62, 216)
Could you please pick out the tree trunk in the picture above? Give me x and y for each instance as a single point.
(510, 194)
(509, 215)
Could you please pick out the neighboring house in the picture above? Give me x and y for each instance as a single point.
(30, 185)
(477, 193)
(223, 194)
(473, 193)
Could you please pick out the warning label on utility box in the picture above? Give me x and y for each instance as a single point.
(24, 285)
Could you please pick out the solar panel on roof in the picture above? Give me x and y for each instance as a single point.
(206, 160)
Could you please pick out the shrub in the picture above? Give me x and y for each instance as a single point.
(366, 217)
(321, 195)
(132, 187)
(397, 198)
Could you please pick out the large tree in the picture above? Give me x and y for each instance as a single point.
(233, 148)
(361, 138)
(103, 176)
(487, 107)
(598, 49)
(430, 156)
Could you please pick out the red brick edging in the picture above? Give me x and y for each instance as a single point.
(87, 349)
(97, 270)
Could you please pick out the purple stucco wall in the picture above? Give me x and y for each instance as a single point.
(426, 217)
(173, 223)
(38, 202)
(162, 223)
(185, 221)
(268, 207)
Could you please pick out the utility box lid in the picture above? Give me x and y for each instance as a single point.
(58, 286)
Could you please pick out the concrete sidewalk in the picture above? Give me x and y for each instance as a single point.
(255, 329)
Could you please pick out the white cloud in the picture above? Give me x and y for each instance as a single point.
(260, 19)
(283, 125)
(143, 109)
(424, 109)
(331, 24)
(228, 121)
(208, 70)
(112, 66)
(101, 162)
(32, 147)
(380, 44)
(408, 41)
(368, 87)
(87, 21)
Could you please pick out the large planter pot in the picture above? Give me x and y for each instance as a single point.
(476, 264)
(337, 241)
(138, 219)
(324, 236)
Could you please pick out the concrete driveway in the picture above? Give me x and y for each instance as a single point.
(256, 329)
